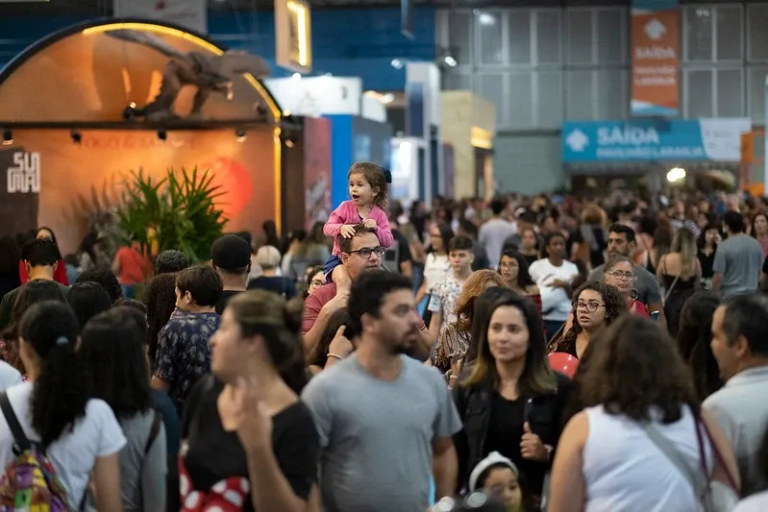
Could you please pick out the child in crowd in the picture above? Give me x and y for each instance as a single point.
(369, 192)
(498, 476)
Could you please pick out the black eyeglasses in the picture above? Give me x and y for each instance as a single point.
(590, 306)
(366, 252)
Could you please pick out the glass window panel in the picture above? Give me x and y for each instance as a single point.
(612, 93)
(757, 37)
(548, 36)
(610, 37)
(579, 95)
(549, 100)
(457, 81)
(519, 30)
(490, 86)
(520, 114)
(729, 33)
(756, 102)
(730, 93)
(698, 85)
(579, 32)
(490, 39)
(460, 37)
(698, 29)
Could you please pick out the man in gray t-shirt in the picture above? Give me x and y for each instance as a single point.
(383, 419)
(738, 260)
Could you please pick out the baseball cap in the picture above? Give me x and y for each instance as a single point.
(231, 252)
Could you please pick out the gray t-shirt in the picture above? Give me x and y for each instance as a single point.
(646, 284)
(492, 236)
(377, 436)
(142, 473)
(739, 258)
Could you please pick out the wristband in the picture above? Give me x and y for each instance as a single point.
(335, 356)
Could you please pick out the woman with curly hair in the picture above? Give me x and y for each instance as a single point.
(595, 305)
(453, 341)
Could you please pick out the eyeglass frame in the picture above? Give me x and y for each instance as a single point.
(589, 307)
(622, 275)
(380, 251)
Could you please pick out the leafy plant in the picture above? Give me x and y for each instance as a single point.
(176, 212)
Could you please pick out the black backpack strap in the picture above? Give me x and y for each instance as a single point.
(156, 421)
(19, 438)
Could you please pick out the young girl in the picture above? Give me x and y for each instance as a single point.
(368, 190)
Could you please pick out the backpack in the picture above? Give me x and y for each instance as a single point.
(29, 482)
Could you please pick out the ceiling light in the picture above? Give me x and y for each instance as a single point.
(486, 19)
(296, 76)
(449, 61)
(397, 64)
(7, 137)
(388, 98)
(675, 175)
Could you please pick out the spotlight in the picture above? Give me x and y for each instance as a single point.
(240, 135)
(162, 134)
(77, 137)
(7, 137)
(289, 143)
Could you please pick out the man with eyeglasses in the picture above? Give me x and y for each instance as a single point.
(621, 242)
(359, 253)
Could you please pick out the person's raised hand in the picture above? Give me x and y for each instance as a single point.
(347, 231)
(340, 345)
(531, 446)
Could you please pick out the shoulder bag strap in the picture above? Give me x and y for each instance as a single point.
(715, 452)
(666, 447)
(19, 438)
(671, 288)
(153, 431)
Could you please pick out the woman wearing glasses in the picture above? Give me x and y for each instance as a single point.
(620, 272)
(595, 305)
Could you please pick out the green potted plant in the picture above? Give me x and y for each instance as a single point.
(178, 211)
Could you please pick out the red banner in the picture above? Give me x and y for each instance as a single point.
(655, 58)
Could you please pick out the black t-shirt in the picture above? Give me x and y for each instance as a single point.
(224, 300)
(283, 286)
(403, 248)
(212, 454)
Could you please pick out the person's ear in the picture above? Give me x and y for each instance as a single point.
(741, 347)
(367, 322)
(344, 258)
(375, 191)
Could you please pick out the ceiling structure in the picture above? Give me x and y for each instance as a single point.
(104, 7)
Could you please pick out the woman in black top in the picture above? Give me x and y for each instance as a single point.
(708, 240)
(510, 402)
(251, 444)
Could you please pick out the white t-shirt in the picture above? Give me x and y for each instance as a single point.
(73, 455)
(9, 376)
(755, 503)
(436, 269)
(555, 303)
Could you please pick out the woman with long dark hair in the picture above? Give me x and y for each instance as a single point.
(510, 401)
(80, 434)
(60, 272)
(694, 336)
(112, 349)
(436, 266)
(38, 290)
(640, 410)
(248, 439)
(513, 268)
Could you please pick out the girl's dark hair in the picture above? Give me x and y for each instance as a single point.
(376, 176)
(694, 336)
(752, 223)
(537, 377)
(10, 255)
(61, 390)
(270, 230)
(106, 278)
(88, 300)
(524, 279)
(702, 241)
(33, 292)
(263, 313)
(112, 349)
(447, 235)
(160, 297)
(632, 366)
(320, 354)
(52, 237)
(528, 499)
(615, 306)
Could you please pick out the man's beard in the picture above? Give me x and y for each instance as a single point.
(407, 345)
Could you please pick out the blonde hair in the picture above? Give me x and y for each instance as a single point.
(268, 257)
(684, 244)
(593, 215)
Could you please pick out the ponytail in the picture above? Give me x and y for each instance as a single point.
(61, 389)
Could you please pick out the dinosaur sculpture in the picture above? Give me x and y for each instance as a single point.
(209, 73)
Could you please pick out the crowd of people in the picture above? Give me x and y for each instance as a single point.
(521, 354)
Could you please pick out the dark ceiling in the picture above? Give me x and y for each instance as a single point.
(104, 7)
